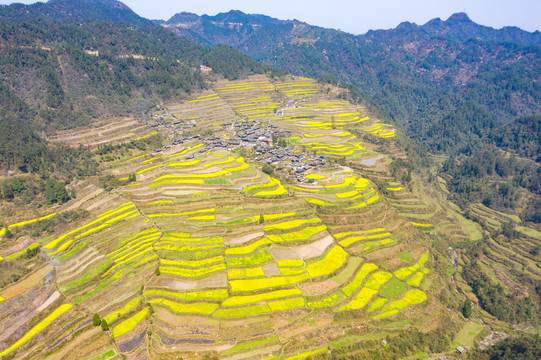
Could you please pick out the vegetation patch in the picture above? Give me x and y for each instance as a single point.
(252, 299)
(412, 297)
(307, 354)
(125, 309)
(357, 281)
(300, 235)
(291, 224)
(265, 283)
(191, 308)
(393, 289)
(335, 258)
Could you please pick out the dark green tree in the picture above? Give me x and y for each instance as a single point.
(104, 325)
(467, 309)
(55, 192)
(96, 320)
(267, 169)
(261, 219)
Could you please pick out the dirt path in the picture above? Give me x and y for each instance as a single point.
(54, 296)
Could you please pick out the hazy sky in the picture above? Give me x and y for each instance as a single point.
(354, 16)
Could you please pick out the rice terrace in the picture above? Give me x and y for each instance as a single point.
(243, 187)
(204, 252)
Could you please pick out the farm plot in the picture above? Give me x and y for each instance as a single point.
(272, 188)
(339, 150)
(298, 89)
(349, 238)
(136, 251)
(334, 260)
(197, 178)
(37, 329)
(123, 212)
(250, 99)
(128, 325)
(370, 288)
(203, 111)
(381, 130)
(190, 257)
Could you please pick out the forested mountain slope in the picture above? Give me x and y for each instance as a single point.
(64, 63)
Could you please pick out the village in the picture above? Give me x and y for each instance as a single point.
(267, 143)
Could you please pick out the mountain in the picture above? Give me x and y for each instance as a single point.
(72, 10)
(225, 28)
(65, 63)
(461, 28)
(447, 83)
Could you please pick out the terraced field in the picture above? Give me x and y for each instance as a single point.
(205, 252)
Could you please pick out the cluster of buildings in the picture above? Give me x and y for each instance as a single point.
(261, 138)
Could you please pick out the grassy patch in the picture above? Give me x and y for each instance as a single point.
(393, 289)
(406, 256)
(467, 334)
(217, 182)
(105, 356)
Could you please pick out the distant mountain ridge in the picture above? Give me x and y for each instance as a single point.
(461, 28)
(458, 27)
(423, 77)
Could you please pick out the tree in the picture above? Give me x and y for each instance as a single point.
(96, 320)
(55, 192)
(104, 325)
(261, 219)
(267, 169)
(467, 309)
(158, 271)
(31, 252)
(8, 233)
(132, 178)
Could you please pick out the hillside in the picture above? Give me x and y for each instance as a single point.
(330, 241)
(160, 199)
(447, 83)
(57, 74)
(320, 245)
